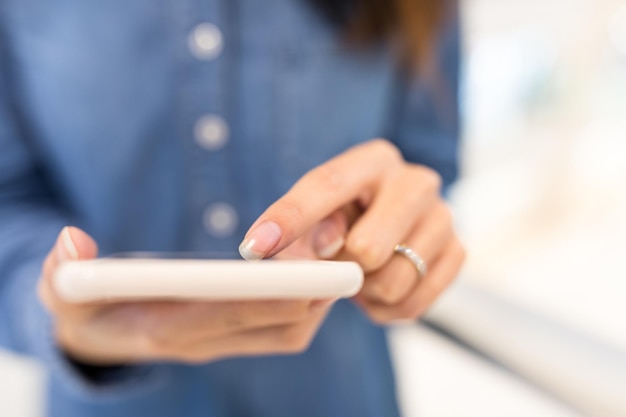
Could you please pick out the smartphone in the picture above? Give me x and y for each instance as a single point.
(148, 277)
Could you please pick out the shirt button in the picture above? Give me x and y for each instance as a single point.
(211, 132)
(220, 220)
(205, 41)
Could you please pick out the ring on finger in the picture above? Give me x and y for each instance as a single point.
(413, 257)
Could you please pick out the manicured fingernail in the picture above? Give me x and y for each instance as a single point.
(327, 240)
(317, 306)
(260, 241)
(68, 244)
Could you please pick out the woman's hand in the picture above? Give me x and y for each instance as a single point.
(358, 206)
(106, 333)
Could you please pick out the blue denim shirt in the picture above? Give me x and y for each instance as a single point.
(169, 126)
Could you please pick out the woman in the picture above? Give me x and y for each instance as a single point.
(173, 126)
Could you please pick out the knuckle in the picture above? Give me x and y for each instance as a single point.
(378, 317)
(429, 178)
(376, 313)
(381, 315)
(385, 149)
(413, 197)
(388, 293)
(408, 311)
(367, 252)
(327, 176)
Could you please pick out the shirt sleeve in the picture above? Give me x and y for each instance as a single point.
(30, 220)
(426, 125)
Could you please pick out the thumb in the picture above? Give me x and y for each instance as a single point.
(73, 244)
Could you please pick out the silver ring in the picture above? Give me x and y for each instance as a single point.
(412, 256)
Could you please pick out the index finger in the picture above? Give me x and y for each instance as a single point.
(317, 194)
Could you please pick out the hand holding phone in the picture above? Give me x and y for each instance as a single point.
(112, 328)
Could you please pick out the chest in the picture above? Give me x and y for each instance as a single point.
(156, 101)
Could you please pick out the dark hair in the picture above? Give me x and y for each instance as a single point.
(411, 23)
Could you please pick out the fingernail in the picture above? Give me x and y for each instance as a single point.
(317, 306)
(327, 240)
(332, 249)
(68, 244)
(260, 241)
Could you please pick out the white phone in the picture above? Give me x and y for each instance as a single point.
(205, 279)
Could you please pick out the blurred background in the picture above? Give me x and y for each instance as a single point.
(543, 202)
(541, 206)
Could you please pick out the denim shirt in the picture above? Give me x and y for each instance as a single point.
(169, 126)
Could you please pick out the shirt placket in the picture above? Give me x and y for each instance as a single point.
(205, 124)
